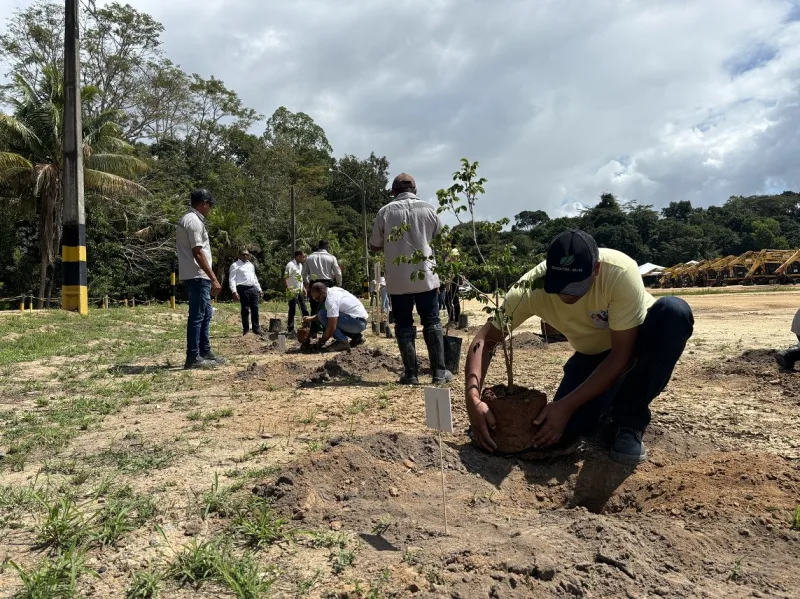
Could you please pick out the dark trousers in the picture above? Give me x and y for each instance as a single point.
(315, 305)
(293, 303)
(660, 342)
(427, 304)
(373, 298)
(453, 303)
(248, 298)
(198, 341)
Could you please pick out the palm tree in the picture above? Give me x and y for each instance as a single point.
(31, 144)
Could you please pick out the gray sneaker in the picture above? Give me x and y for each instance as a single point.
(628, 447)
(199, 362)
(210, 357)
(339, 346)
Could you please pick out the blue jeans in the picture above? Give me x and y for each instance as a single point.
(427, 304)
(346, 326)
(660, 343)
(198, 342)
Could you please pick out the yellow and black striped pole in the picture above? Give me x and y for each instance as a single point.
(74, 292)
(172, 288)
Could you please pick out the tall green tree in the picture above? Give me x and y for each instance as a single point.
(31, 157)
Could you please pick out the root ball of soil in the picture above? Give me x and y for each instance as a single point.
(514, 410)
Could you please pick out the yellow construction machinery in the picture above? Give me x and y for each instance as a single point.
(764, 267)
(763, 270)
(668, 279)
(789, 271)
(711, 272)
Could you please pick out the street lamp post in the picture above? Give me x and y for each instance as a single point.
(364, 212)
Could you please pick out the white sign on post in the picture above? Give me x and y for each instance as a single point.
(438, 410)
(439, 416)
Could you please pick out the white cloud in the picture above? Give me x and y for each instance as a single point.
(559, 100)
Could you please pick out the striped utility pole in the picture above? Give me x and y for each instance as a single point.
(172, 286)
(74, 291)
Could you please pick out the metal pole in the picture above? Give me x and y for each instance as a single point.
(366, 242)
(74, 293)
(294, 229)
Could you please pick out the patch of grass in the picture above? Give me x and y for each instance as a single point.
(134, 460)
(736, 571)
(412, 558)
(196, 564)
(145, 584)
(260, 525)
(216, 415)
(340, 559)
(63, 524)
(216, 500)
(55, 577)
(310, 416)
(357, 406)
(796, 518)
(330, 539)
(116, 519)
(52, 428)
(304, 585)
(214, 561)
(194, 415)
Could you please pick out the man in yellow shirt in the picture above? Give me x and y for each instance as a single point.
(626, 345)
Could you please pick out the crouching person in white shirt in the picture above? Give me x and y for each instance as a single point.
(343, 317)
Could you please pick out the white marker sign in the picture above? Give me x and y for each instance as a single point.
(438, 411)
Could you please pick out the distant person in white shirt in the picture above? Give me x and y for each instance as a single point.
(384, 295)
(245, 287)
(373, 293)
(293, 278)
(341, 314)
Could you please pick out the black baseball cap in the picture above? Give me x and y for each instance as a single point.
(202, 195)
(571, 259)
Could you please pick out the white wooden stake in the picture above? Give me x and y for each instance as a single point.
(439, 416)
(444, 497)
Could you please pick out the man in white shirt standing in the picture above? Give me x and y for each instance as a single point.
(194, 268)
(320, 267)
(342, 315)
(412, 284)
(293, 278)
(244, 285)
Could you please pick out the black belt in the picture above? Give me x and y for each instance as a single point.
(245, 287)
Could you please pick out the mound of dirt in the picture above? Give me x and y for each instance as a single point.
(676, 530)
(514, 412)
(527, 340)
(759, 364)
(360, 363)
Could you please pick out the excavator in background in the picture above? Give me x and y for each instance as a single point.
(764, 269)
(711, 273)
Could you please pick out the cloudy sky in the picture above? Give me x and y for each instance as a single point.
(559, 100)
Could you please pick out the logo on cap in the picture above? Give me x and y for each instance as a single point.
(566, 260)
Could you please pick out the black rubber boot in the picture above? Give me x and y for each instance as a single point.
(788, 357)
(406, 337)
(434, 339)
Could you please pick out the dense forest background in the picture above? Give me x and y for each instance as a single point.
(153, 132)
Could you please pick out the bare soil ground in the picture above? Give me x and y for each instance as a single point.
(328, 464)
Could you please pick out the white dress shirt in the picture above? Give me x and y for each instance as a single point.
(243, 273)
(294, 275)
